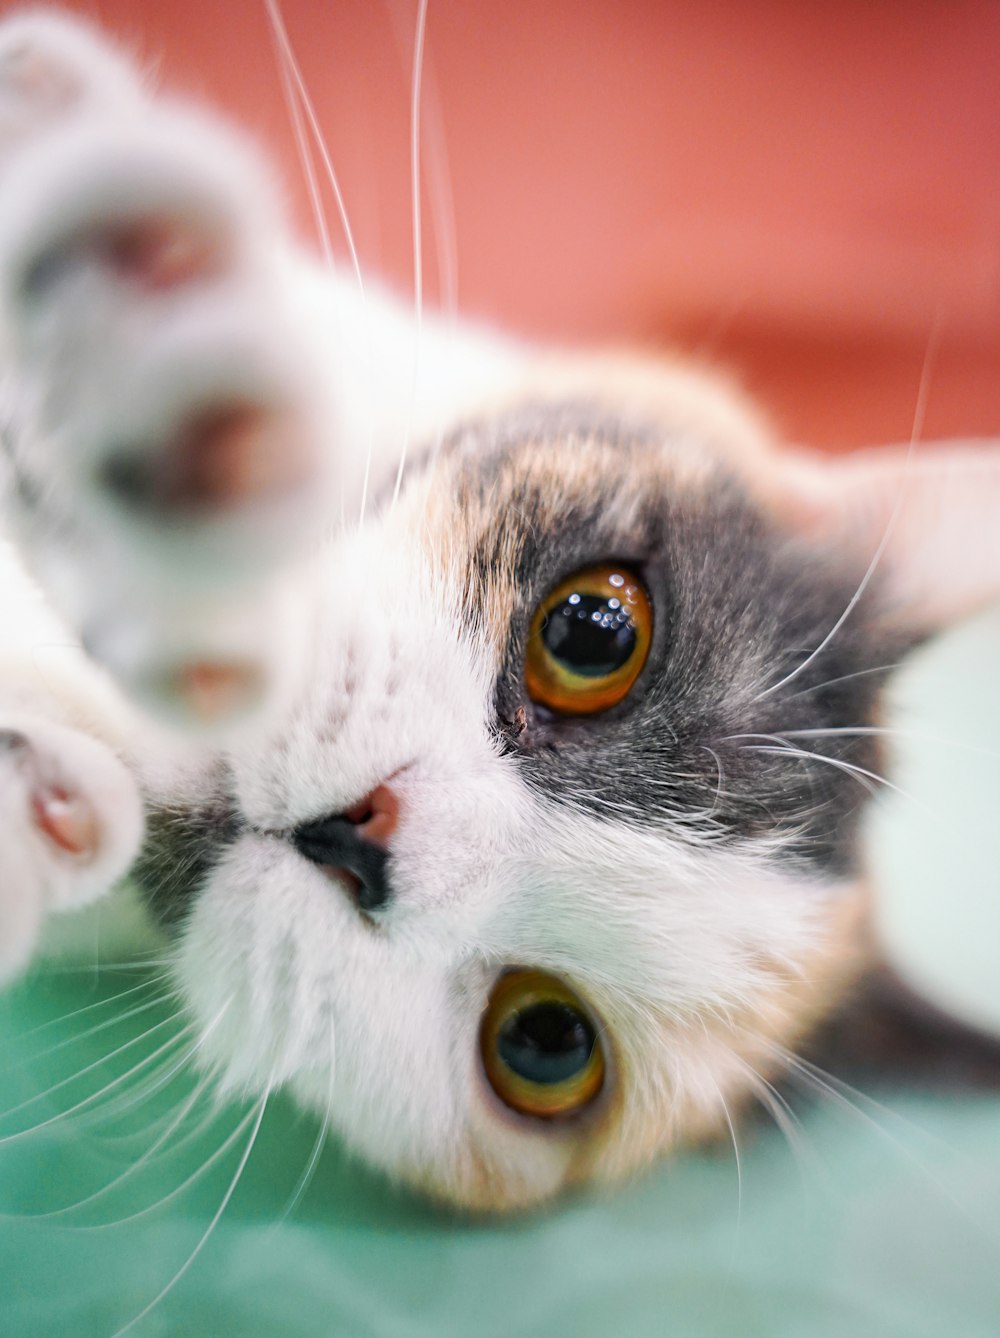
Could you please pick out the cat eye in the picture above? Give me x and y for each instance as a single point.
(540, 1049)
(589, 640)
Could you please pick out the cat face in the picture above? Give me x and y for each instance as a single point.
(666, 880)
(552, 846)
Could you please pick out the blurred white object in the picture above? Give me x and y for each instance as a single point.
(935, 850)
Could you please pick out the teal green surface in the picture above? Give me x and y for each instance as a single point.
(871, 1218)
(880, 1220)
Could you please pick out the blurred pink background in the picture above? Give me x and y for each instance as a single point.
(801, 192)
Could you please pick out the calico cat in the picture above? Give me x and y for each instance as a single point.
(487, 729)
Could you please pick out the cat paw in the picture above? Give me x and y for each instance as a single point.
(70, 826)
(167, 424)
(50, 64)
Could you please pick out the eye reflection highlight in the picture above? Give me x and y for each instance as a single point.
(589, 640)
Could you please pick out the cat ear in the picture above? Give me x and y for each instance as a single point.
(927, 519)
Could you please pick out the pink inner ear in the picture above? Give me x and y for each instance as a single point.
(928, 519)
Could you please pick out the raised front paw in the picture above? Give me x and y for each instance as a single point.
(70, 826)
(165, 420)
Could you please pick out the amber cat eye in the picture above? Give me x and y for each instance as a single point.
(540, 1050)
(589, 639)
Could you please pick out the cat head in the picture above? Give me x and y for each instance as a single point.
(586, 725)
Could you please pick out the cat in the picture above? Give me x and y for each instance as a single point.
(489, 738)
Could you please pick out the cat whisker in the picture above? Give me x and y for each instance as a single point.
(175, 1120)
(98, 1027)
(792, 1129)
(88, 1101)
(861, 774)
(719, 787)
(882, 731)
(318, 1144)
(159, 1076)
(776, 1106)
(141, 962)
(417, 231)
(291, 63)
(299, 104)
(286, 64)
(842, 678)
(90, 1008)
(866, 779)
(157, 1080)
(88, 1068)
(231, 1138)
(918, 422)
(237, 1176)
(817, 1082)
(436, 184)
(730, 1124)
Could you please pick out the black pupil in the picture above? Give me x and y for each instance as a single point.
(592, 635)
(546, 1043)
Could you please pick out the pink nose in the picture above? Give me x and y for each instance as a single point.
(355, 845)
(376, 816)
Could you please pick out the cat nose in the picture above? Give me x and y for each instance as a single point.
(356, 842)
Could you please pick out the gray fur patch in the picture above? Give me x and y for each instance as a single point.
(182, 847)
(706, 744)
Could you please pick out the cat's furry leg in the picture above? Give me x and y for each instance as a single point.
(71, 818)
(185, 402)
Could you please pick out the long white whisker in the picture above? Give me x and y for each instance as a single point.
(306, 160)
(416, 225)
(851, 605)
(882, 731)
(88, 1068)
(176, 1120)
(303, 104)
(318, 1144)
(96, 1096)
(847, 1098)
(843, 678)
(98, 1027)
(154, 1082)
(138, 963)
(208, 1230)
(861, 774)
(780, 1112)
(185, 1184)
(288, 54)
(739, 1165)
(918, 423)
(90, 1008)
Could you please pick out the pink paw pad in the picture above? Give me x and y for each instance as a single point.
(234, 455)
(228, 455)
(68, 820)
(156, 254)
(163, 253)
(217, 691)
